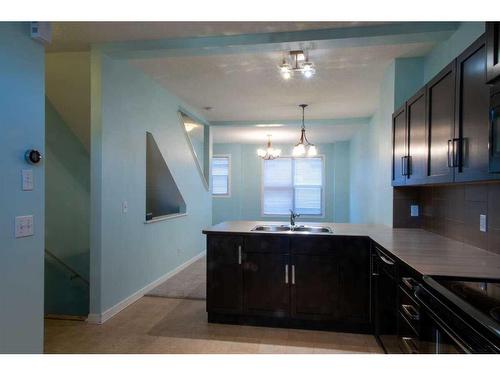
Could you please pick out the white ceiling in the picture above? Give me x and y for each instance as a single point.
(247, 86)
(243, 87)
(288, 134)
(77, 36)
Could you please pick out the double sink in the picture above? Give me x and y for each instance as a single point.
(289, 228)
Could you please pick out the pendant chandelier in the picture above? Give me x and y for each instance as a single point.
(269, 153)
(304, 147)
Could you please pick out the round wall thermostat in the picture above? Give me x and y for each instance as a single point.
(33, 156)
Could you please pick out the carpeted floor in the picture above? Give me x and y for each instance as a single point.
(190, 283)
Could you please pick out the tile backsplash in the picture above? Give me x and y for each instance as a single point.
(453, 211)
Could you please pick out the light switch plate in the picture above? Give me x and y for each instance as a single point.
(414, 210)
(24, 226)
(27, 177)
(482, 223)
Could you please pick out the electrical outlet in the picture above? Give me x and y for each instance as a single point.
(124, 207)
(414, 210)
(24, 226)
(482, 223)
(27, 177)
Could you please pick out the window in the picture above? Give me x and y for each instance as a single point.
(221, 166)
(292, 183)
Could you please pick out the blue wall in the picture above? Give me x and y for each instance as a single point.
(67, 216)
(370, 158)
(446, 51)
(22, 100)
(245, 200)
(125, 103)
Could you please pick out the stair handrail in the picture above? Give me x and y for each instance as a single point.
(75, 274)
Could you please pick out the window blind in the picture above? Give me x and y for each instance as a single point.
(293, 183)
(220, 175)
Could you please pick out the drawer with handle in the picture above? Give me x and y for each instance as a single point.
(409, 310)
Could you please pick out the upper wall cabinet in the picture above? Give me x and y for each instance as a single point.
(493, 51)
(472, 114)
(417, 138)
(446, 136)
(399, 147)
(197, 135)
(441, 122)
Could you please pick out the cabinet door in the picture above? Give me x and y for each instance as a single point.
(441, 122)
(472, 117)
(399, 147)
(493, 51)
(354, 280)
(331, 278)
(315, 286)
(417, 139)
(224, 274)
(266, 272)
(266, 284)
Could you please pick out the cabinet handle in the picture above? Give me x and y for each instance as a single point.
(385, 259)
(410, 345)
(286, 273)
(457, 146)
(411, 312)
(403, 166)
(409, 282)
(408, 165)
(450, 162)
(293, 274)
(239, 254)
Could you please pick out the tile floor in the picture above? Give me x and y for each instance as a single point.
(167, 325)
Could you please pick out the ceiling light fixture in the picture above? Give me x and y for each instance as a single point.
(269, 153)
(297, 61)
(304, 147)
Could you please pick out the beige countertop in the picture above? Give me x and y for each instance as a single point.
(426, 252)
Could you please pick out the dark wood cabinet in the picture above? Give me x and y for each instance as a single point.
(493, 51)
(399, 147)
(354, 279)
(441, 125)
(472, 114)
(315, 286)
(315, 278)
(224, 274)
(446, 132)
(417, 138)
(297, 280)
(266, 276)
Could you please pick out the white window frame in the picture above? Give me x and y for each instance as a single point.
(323, 200)
(229, 172)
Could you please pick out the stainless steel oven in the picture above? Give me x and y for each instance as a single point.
(450, 324)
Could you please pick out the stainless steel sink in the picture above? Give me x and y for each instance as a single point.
(286, 228)
(271, 228)
(308, 229)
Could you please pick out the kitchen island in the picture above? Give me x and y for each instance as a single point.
(324, 280)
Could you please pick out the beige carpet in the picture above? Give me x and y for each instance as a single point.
(190, 283)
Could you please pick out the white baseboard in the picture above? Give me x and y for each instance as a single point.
(109, 313)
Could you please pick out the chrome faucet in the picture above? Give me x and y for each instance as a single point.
(293, 216)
